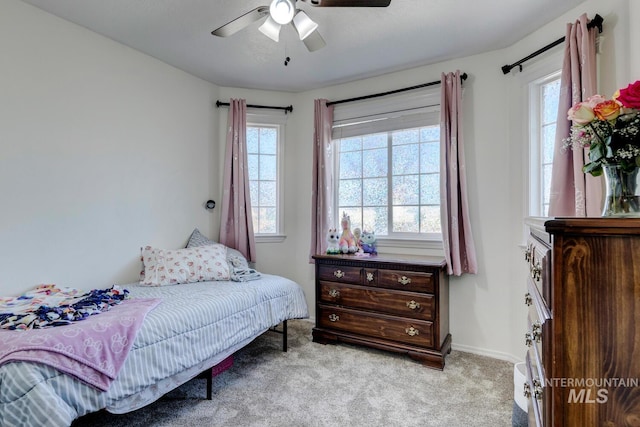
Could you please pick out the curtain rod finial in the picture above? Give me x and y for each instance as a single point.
(506, 69)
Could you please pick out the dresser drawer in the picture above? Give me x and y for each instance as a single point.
(534, 393)
(340, 273)
(405, 280)
(538, 256)
(402, 303)
(409, 331)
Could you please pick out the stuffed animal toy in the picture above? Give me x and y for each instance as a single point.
(333, 237)
(368, 242)
(347, 242)
(356, 234)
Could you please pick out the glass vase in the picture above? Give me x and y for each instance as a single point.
(622, 197)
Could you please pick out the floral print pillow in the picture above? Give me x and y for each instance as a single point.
(198, 264)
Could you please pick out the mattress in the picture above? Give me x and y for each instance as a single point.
(194, 327)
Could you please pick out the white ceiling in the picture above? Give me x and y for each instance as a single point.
(361, 42)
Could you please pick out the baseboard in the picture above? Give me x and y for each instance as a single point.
(486, 352)
(469, 349)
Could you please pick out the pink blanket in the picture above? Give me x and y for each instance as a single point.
(92, 350)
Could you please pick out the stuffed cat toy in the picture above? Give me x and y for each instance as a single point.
(368, 242)
(333, 237)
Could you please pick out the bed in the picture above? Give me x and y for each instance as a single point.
(194, 327)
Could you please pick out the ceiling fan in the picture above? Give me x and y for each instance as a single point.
(283, 12)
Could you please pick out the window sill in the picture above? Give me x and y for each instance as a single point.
(270, 238)
(409, 243)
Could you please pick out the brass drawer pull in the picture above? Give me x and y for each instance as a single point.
(527, 390)
(527, 299)
(334, 317)
(334, 293)
(369, 277)
(536, 327)
(412, 332)
(536, 335)
(339, 274)
(528, 339)
(404, 280)
(527, 252)
(536, 271)
(413, 305)
(537, 389)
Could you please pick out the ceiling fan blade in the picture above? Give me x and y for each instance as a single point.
(241, 22)
(314, 41)
(349, 3)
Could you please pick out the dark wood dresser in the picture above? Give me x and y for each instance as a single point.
(583, 338)
(398, 303)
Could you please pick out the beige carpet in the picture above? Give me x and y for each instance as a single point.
(333, 385)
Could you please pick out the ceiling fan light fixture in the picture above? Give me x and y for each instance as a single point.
(271, 29)
(282, 11)
(304, 25)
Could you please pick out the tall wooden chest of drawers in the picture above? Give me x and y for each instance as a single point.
(399, 304)
(583, 338)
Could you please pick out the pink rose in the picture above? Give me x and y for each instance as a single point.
(630, 96)
(581, 113)
(594, 100)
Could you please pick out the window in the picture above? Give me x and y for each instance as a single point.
(388, 172)
(545, 96)
(263, 155)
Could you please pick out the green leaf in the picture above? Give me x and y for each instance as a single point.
(593, 168)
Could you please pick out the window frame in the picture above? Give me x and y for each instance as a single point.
(277, 121)
(536, 148)
(430, 103)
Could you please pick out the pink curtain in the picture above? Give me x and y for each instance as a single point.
(574, 193)
(236, 224)
(459, 248)
(322, 189)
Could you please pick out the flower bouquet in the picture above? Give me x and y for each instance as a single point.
(610, 129)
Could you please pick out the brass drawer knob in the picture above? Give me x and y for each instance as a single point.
(404, 280)
(412, 332)
(369, 277)
(527, 299)
(339, 274)
(334, 317)
(413, 305)
(334, 293)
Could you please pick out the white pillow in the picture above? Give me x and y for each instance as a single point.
(173, 266)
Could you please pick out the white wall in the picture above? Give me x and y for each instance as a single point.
(102, 150)
(104, 146)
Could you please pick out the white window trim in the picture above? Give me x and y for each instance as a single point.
(276, 119)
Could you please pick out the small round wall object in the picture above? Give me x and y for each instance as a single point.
(210, 204)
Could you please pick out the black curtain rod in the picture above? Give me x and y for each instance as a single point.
(595, 22)
(391, 92)
(286, 109)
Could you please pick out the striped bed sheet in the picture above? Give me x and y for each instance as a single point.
(196, 326)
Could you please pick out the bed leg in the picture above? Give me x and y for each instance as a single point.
(284, 335)
(209, 383)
